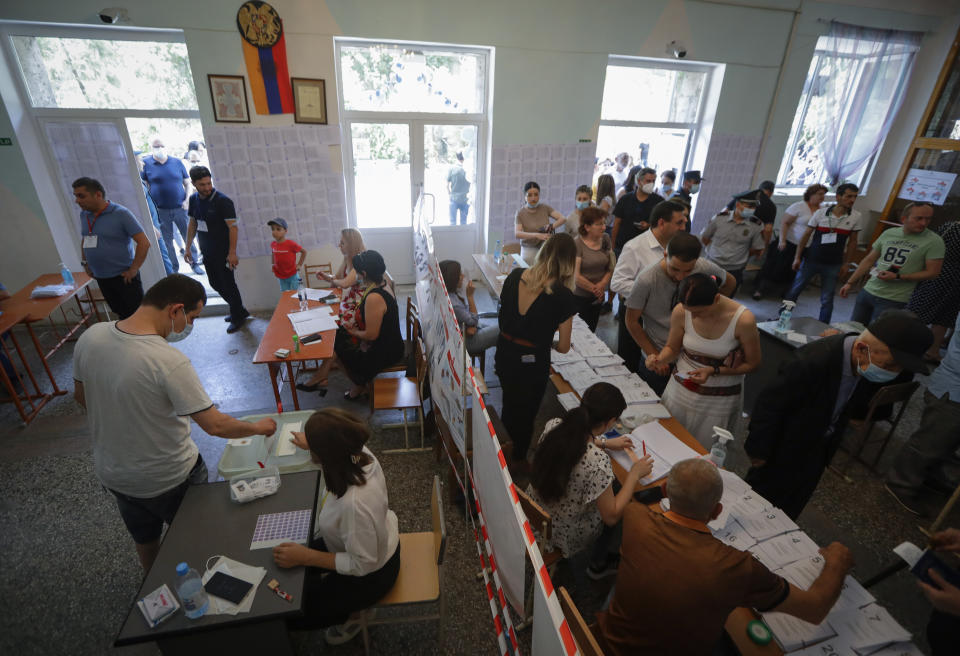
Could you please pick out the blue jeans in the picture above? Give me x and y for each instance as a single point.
(462, 207)
(289, 284)
(828, 284)
(870, 306)
(168, 219)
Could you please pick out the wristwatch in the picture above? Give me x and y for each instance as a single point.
(716, 370)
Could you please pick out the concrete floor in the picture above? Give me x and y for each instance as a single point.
(70, 572)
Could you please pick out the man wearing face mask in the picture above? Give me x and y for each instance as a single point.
(732, 237)
(140, 394)
(169, 186)
(631, 216)
(799, 420)
(689, 185)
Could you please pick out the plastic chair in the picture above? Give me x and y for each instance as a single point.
(581, 632)
(420, 580)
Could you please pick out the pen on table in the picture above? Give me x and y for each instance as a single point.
(261, 464)
(644, 444)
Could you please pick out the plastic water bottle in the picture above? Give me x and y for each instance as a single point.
(498, 253)
(719, 451)
(190, 590)
(302, 294)
(66, 275)
(783, 324)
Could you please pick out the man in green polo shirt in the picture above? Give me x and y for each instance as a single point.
(903, 257)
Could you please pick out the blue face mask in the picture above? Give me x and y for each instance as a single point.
(666, 188)
(174, 336)
(747, 212)
(360, 281)
(876, 374)
(583, 204)
(533, 205)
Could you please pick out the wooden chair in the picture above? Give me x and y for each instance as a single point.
(887, 395)
(542, 523)
(512, 248)
(393, 392)
(581, 632)
(310, 274)
(421, 572)
(413, 333)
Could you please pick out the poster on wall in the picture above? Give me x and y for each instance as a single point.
(927, 186)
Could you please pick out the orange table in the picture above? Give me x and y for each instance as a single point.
(34, 401)
(279, 335)
(39, 309)
(736, 625)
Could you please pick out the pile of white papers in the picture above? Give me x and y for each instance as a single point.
(317, 294)
(556, 357)
(658, 443)
(50, 291)
(767, 523)
(568, 400)
(785, 549)
(312, 321)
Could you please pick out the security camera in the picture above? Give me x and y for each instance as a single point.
(677, 49)
(112, 15)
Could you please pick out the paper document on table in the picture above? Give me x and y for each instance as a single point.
(312, 321)
(604, 361)
(804, 572)
(766, 524)
(792, 633)
(568, 400)
(749, 503)
(285, 445)
(520, 261)
(794, 336)
(250, 574)
(581, 381)
(660, 467)
(667, 445)
(318, 294)
(734, 535)
(784, 549)
(642, 413)
(897, 649)
(572, 368)
(836, 646)
(640, 395)
(611, 370)
(868, 628)
(556, 357)
(733, 483)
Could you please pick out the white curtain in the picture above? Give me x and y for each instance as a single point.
(861, 80)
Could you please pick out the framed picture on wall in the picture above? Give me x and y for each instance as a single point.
(309, 100)
(229, 96)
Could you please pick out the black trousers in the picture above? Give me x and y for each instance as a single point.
(221, 278)
(589, 310)
(330, 597)
(122, 297)
(777, 267)
(627, 348)
(522, 395)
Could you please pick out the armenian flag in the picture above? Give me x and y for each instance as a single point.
(269, 77)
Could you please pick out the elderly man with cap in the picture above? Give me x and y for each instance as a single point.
(676, 583)
(799, 419)
(732, 236)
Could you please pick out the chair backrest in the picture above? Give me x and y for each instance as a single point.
(439, 521)
(537, 516)
(890, 394)
(413, 314)
(512, 248)
(310, 272)
(420, 359)
(578, 626)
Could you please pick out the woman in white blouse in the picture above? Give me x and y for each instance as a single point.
(354, 556)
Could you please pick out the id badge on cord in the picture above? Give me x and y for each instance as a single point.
(529, 358)
(829, 238)
(90, 241)
(201, 226)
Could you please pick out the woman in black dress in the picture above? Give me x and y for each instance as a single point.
(534, 304)
(937, 301)
(375, 343)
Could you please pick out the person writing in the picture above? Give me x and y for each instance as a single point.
(534, 304)
(353, 558)
(533, 225)
(677, 584)
(572, 478)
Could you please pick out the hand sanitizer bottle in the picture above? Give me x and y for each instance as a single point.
(719, 451)
(66, 275)
(783, 324)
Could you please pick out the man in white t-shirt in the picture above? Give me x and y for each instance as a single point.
(140, 394)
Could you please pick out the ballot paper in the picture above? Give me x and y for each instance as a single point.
(748, 503)
(590, 346)
(793, 633)
(604, 361)
(581, 381)
(572, 368)
(766, 524)
(285, 445)
(898, 649)
(568, 400)
(868, 628)
(317, 294)
(658, 443)
(612, 370)
(804, 572)
(556, 357)
(639, 395)
(643, 413)
(734, 535)
(785, 549)
(835, 646)
(312, 321)
(733, 483)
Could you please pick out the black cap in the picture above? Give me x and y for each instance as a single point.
(906, 336)
(768, 185)
(748, 196)
(692, 175)
(278, 222)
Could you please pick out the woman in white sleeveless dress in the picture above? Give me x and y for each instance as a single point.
(714, 342)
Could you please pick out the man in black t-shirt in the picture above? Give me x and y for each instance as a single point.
(213, 220)
(631, 216)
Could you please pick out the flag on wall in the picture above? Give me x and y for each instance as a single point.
(265, 55)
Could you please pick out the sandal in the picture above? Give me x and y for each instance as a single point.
(303, 387)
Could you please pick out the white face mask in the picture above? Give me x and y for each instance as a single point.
(173, 335)
(160, 154)
(648, 188)
(695, 188)
(746, 212)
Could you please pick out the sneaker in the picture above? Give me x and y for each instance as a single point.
(343, 633)
(229, 319)
(234, 326)
(907, 503)
(605, 569)
(197, 270)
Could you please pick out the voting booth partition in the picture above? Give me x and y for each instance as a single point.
(502, 533)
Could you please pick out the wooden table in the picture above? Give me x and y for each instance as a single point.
(38, 399)
(736, 625)
(208, 523)
(491, 274)
(38, 309)
(279, 334)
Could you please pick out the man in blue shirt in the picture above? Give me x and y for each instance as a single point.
(213, 220)
(114, 246)
(928, 452)
(167, 179)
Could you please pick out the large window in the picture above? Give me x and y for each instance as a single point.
(651, 110)
(851, 95)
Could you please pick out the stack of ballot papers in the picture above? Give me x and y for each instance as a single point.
(660, 444)
(319, 294)
(568, 400)
(599, 361)
(556, 357)
(50, 291)
(312, 321)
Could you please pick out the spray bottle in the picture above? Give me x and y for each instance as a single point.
(783, 324)
(719, 451)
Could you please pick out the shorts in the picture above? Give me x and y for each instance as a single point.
(144, 518)
(289, 284)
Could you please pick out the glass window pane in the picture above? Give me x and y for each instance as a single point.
(390, 78)
(104, 74)
(452, 182)
(659, 148)
(945, 121)
(662, 95)
(381, 163)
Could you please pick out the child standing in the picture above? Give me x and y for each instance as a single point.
(285, 263)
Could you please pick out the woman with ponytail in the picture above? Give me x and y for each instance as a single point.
(573, 480)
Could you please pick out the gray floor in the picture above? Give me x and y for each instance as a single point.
(70, 572)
